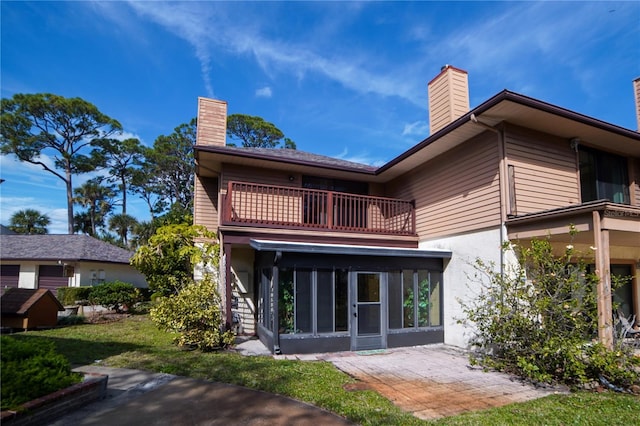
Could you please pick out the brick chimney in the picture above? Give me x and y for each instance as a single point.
(636, 91)
(212, 122)
(448, 97)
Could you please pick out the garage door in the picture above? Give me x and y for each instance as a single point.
(9, 275)
(51, 277)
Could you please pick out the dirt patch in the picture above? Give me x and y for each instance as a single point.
(358, 386)
(105, 317)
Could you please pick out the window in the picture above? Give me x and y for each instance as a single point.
(603, 176)
(313, 301)
(414, 299)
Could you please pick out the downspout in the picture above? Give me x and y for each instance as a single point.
(503, 185)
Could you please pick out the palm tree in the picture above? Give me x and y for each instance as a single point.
(29, 221)
(122, 224)
(98, 199)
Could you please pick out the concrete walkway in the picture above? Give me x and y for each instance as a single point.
(139, 398)
(431, 381)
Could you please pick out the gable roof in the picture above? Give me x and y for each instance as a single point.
(6, 231)
(18, 301)
(288, 156)
(61, 247)
(506, 106)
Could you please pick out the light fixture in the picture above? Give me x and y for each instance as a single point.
(291, 178)
(574, 143)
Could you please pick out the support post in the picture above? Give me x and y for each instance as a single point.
(603, 271)
(227, 285)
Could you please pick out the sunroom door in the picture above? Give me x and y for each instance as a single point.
(368, 326)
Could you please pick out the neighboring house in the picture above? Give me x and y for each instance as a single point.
(322, 254)
(27, 308)
(53, 261)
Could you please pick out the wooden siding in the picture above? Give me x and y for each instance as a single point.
(448, 98)
(545, 170)
(205, 204)
(212, 122)
(257, 175)
(456, 192)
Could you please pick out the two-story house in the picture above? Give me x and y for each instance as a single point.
(320, 254)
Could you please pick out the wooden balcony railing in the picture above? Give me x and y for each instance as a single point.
(299, 208)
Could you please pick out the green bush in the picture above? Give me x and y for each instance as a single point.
(71, 320)
(539, 319)
(31, 369)
(69, 295)
(114, 295)
(195, 314)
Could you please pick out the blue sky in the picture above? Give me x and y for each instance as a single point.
(343, 79)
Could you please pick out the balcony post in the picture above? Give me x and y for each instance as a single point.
(329, 210)
(228, 202)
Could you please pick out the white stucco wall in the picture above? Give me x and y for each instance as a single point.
(28, 277)
(84, 272)
(458, 273)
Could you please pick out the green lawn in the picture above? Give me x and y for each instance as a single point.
(136, 343)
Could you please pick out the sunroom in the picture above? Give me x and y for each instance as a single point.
(327, 298)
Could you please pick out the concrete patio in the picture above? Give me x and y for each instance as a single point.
(431, 381)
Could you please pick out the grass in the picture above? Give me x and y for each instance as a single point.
(136, 343)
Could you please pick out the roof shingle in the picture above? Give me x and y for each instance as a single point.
(61, 247)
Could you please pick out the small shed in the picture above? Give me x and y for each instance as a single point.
(29, 308)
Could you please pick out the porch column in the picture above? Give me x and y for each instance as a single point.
(603, 271)
(227, 285)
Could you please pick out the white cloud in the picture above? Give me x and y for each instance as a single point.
(362, 158)
(417, 128)
(265, 92)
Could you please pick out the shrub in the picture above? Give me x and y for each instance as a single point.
(538, 321)
(169, 258)
(70, 295)
(115, 295)
(31, 369)
(195, 314)
(71, 320)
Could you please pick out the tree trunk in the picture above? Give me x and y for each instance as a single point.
(69, 198)
(124, 195)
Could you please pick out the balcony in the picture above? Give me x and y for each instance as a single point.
(249, 204)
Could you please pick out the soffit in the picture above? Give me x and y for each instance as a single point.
(210, 165)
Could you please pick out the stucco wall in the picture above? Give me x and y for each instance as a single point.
(458, 276)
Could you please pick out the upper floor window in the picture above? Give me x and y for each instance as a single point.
(603, 176)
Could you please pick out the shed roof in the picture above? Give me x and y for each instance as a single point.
(18, 301)
(61, 247)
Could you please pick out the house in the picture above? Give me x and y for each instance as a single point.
(320, 254)
(27, 308)
(53, 261)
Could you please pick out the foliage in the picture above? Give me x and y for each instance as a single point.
(538, 319)
(170, 165)
(30, 222)
(114, 295)
(71, 320)
(168, 259)
(122, 225)
(31, 369)
(71, 295)
(256, 132)
(286, 302)
(195, 314)
(98, 199)
(36, 125)
(120, 157)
